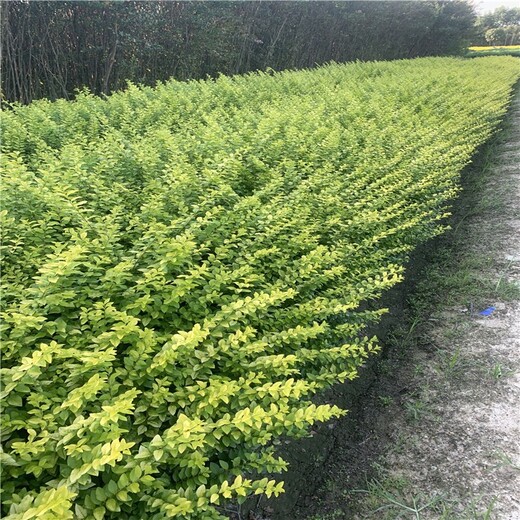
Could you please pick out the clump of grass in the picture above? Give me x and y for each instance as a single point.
(392, 497)
(505, 460)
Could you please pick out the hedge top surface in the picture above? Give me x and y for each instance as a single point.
(185, 266)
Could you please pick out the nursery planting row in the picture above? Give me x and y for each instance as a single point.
(185, 266)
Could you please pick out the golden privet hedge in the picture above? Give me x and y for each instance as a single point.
(184, 268)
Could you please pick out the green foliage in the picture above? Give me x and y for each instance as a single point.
(102, 45)
(185, 267)
(499, 27)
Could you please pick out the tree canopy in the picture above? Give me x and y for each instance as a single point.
(51, 48)
(500, 27)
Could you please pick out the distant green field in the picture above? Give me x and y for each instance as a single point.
(185, 266)
(506, 50)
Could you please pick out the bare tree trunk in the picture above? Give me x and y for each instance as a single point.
(274, 41)
(110, 62)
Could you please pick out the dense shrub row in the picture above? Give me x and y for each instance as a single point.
(184, 267)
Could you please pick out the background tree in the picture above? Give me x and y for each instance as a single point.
(51, 48)
(500, 27)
